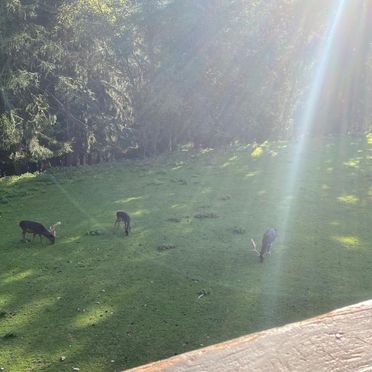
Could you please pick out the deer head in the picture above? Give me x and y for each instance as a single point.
(53, 228)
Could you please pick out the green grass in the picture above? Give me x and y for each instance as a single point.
(108, 302)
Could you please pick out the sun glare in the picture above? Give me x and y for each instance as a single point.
(305, 121)
(308, 114)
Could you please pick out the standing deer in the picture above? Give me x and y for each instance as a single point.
(122, 216)
(267, 241)
(36, 228)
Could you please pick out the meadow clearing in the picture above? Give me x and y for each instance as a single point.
(186, 275)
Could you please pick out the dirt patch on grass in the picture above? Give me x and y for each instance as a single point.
(238, 230)
(202, 215)
(165, 247)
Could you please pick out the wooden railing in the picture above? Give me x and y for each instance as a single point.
(337, 341)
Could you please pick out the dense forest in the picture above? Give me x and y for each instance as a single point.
(85, 81)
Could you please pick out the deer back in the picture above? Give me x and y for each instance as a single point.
(122, 216)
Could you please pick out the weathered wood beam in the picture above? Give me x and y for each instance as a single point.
(337, 341)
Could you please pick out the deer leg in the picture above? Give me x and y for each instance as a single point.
(269, 250)
(116, 225)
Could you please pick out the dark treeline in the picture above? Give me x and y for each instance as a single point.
(84, 81)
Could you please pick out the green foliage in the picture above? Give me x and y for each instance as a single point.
(86, 80)
(9, 132)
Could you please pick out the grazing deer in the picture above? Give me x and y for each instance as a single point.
(37, 228)
(267, 241)
(122, 216)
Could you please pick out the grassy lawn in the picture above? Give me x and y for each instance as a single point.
(185, 277)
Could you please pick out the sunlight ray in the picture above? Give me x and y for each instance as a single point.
(304, 126)
(311, 106)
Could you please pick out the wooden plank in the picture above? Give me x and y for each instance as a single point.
(337, 341)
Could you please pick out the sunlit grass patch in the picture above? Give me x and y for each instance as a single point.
(369, 138)
(267, 148)
(206, 150)
(92, 315)
(230, 161)
(140, 212)
(370, 191)
(353, 163)
(5, 300)
(257, 152)
(71, 239)
(128, 200)
(335, 223)
(273, 153)
(178, 206)
(11, 180)
(348, 199)
(17, 276)
(348, 241)
(251, 174)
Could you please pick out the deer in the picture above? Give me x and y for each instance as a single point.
(267, 240)
(37, 228)
(122, 216)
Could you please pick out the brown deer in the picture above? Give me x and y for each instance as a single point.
(267, 241)
(36, 228)
(122, 216)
